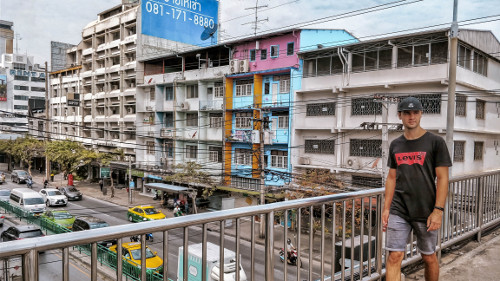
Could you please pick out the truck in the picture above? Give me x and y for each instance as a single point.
(212, 264)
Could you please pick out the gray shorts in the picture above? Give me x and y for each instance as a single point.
(398, 234)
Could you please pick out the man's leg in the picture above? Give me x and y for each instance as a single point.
(431, 267)
(393, 266)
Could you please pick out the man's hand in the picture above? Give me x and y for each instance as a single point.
(385, 219)
(434, 220)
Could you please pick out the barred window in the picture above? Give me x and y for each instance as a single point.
(279, 159)
(478, 150)
(283, 122)
(23, 88)
(169, 119)
(219, 90)
(365, 148)
(191, 151)
(374, 182)
(243, 120)
(215, 154)
(320, 146)
(245, 183)
(37, 89)
(192, 91)
(284, 84)
(461, 105)
(191, 119)
(365, 106)
(215, 120)
(320, 109)
(480, 105)
(480, 65)
(169, 93)
(243, 156)
(458, 151)
(169, 149)
(150, 147)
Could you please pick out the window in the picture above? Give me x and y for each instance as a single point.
(169, 120)
(16, 97)
(191, 119)
(373, 182)
(421, 54)
(215, 120)
(21, 78)
(245, 183)
(284, 84)
(365, 148)
(310, 68)
(461, 105)
(263, 54)
(320, 109)
(430, 102)
(37, 79)
(290, 48)
(244, 120)
(21, 107)
(169, 149)
(243, 156)
(480, 64)
(267, 88)
(191, 151)
(150, 147)
(366, 106)
(283, 122)
(252, 54)
(385, 59)
(279, 159)
(274, 51)
(152, 94)
(439, 52)
(169, 93)
(458, 151)
(478, 150)
(219, 90)
(215, 154)
(480, 105)
(404, 56)
(37, 89)
(464, 57)
(324, 66)
(22, 88)
(244, 88)
(192, 91)
(320, 146)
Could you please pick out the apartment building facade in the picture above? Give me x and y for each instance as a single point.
(346, 91)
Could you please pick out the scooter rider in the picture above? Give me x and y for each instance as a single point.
(289, 247)
(29, 182)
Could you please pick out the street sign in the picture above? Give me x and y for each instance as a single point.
(105, 172)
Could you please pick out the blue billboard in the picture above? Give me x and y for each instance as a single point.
(187, 21)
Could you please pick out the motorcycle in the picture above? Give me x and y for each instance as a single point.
(135, 238)
(29, 182)
(292, 258)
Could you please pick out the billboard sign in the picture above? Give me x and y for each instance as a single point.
(186, 21)
(3, 87)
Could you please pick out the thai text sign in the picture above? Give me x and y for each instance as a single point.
(180, 20)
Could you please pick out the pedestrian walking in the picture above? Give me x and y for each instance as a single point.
(414, 200)
(101, 183)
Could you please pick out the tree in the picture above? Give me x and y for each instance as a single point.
(66, 153)
(23, 149)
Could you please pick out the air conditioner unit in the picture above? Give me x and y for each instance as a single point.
(235, 66)
(184, 105)
(149, 108)
(268, 137)
(304, 161)
(243, 66)
(353, 163)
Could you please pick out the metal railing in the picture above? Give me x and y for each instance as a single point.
(336, 235)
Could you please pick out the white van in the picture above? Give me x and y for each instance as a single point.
(28, 200)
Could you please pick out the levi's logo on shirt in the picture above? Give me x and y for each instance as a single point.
(410, 158)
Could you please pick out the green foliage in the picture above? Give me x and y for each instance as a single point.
(190, 173)
(23, 149)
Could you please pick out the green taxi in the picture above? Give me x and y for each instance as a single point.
(61, 217)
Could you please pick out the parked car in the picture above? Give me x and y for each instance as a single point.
(4, 195)
(61, 217)
(19, 176)
(53, 197)
(27, 199)
(144, 213)
(18, 232)
(89, 222)
(132, 252)
(71, 192)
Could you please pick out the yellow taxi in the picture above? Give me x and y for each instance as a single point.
(132, 252)
(144, 213)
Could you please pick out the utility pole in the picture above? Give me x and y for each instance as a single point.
(262, 164)
(452, 81)
(47, 118)
(386, 101)
(257, 21)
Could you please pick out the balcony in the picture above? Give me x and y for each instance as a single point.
(213, 105)
(167, 133)
(240, 136)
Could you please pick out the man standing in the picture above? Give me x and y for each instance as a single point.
(413, 200)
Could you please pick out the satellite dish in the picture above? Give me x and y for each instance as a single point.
(208, 32)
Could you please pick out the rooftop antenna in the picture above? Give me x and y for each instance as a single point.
(257, 21)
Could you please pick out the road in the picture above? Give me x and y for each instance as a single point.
(116, 215)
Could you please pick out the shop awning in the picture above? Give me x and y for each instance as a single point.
(168, 187)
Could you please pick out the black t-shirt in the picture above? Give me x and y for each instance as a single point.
(415, 162)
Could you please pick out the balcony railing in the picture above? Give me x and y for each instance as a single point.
(240, 136)
(211, 105)
(337, 235)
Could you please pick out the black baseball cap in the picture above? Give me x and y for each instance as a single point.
(410, 103)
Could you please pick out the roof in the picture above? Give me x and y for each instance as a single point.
(23, 228)
(167, 187)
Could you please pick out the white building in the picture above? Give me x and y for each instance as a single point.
(338, 95)
(23, 82)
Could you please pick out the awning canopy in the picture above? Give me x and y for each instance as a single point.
(168, 187)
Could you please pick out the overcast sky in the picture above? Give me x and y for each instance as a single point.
(37, 22)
